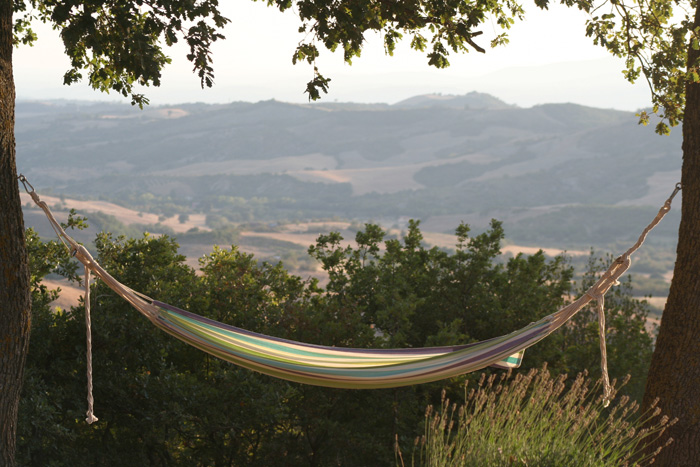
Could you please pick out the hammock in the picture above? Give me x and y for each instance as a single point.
(345, 367)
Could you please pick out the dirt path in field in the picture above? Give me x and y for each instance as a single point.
(124, 215)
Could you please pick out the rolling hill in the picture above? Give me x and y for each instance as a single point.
(562, 176)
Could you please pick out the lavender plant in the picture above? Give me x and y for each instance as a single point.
(535, 419)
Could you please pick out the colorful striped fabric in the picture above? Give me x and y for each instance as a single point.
(344, 367)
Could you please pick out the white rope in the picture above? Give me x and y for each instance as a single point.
(610, 278)
(90, 413)
(597, 293)
(605, 378)
(139, 301)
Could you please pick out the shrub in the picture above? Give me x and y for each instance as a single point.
(537, 420)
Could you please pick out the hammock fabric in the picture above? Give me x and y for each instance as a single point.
(336, 366)
(345, 367)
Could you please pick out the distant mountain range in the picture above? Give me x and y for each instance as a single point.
(563, 174)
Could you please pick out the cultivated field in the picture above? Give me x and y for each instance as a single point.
(124, 215)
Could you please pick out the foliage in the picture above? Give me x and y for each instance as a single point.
(535, 419)
(343, 25)
(161, 402)
(654, 38)
(119, 44)
(108, 223)
(417, 296)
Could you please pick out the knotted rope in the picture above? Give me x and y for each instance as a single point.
(610, 278)
(74, 248)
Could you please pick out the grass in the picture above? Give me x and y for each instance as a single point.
(534, 419)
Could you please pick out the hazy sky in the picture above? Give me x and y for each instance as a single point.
(548, 60)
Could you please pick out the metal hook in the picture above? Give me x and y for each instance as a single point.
(675, 192)
(26, 183)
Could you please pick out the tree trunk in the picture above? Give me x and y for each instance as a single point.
(674, 376)
(15, 298)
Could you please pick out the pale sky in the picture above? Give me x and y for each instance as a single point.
(548, 60)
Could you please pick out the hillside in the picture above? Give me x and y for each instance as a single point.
(559, 176)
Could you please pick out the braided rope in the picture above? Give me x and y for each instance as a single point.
(90, 411)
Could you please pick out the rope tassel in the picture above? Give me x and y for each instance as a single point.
(90, 411)
(607, 389)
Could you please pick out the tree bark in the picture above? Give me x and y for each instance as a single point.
(674, 375)
(15, 297)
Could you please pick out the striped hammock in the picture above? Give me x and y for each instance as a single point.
(342, 367)
(345, 367)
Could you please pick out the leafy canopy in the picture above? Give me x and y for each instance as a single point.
(653, 36)
(120, 44)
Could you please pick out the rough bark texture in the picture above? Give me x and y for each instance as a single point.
(14, 273)
(674, 376)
